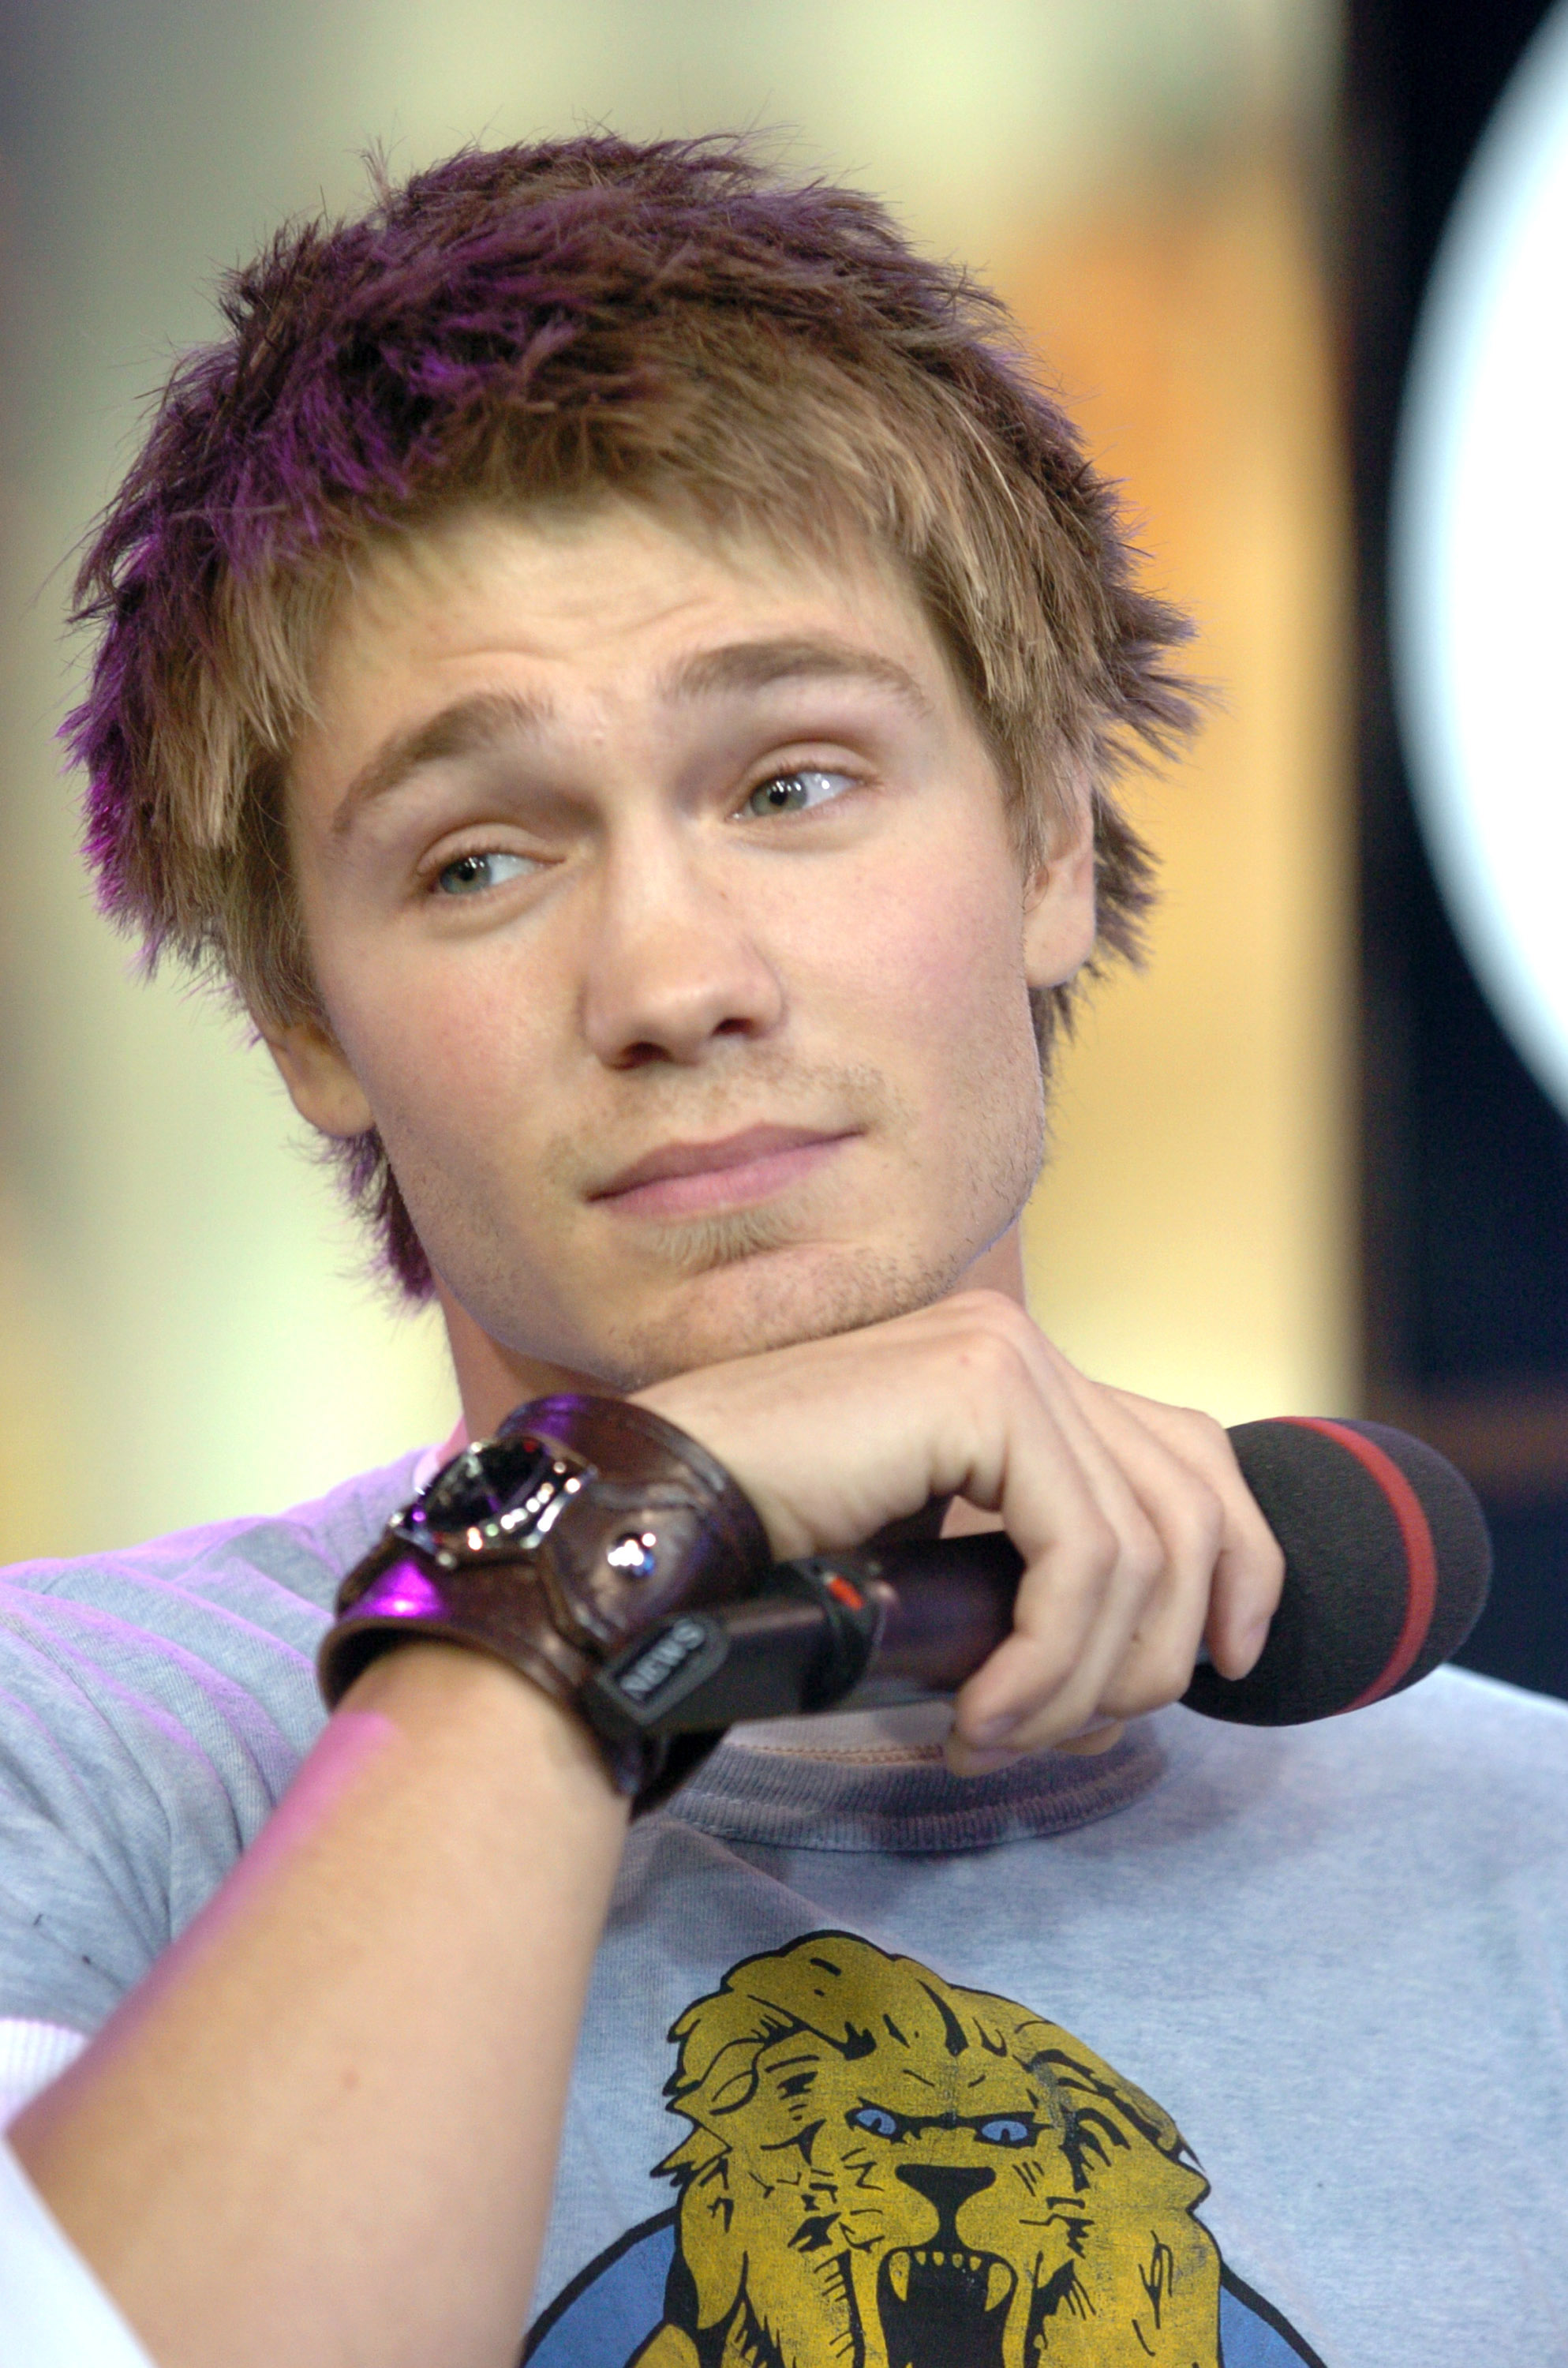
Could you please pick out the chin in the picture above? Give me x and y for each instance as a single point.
(770, 1297)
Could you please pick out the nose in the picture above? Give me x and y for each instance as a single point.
(948, 2187)
(672, 965)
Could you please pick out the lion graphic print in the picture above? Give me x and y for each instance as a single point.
(883, 2171)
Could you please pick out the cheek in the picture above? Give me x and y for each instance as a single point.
(433, 1032)
(935, 953)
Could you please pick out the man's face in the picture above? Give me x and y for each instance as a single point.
(669, 928)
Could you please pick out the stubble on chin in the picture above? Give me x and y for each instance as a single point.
(770, 1296)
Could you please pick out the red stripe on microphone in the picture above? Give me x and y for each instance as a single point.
(1420, 1555)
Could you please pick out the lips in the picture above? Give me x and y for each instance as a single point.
(682, 1178)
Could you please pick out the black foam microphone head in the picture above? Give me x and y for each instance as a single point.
(1387, 1561)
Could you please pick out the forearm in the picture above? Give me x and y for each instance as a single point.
(325, 2127)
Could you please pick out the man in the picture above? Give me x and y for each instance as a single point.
(625, 677)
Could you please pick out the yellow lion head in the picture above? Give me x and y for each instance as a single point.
(883, 2171)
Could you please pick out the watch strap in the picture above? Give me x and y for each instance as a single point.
(585, 1522)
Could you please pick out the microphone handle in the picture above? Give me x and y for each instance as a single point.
(1386, 1558)
(924, 1615)
(948, 1604)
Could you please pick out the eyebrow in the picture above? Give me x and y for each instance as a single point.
(465, 729)
(485, 718)
(756, 665)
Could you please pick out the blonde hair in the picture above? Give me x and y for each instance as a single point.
(559, 322)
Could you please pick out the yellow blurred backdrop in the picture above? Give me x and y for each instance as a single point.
(188, 1333)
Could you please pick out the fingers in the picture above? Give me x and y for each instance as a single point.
(1178, 1478)
(965, 1761)
(1094, 1561)
(1191, 1558)
(1249, 1567)
(1138, 1536)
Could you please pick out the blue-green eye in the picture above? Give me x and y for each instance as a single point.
(875, 2117)
(794, 792)
(1008, 2129)
(470, 875)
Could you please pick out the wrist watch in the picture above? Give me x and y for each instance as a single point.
(584, 1524)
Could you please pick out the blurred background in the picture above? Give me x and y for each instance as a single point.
(1296, 1164)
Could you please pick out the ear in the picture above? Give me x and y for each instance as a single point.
(322, 1086)
(1058, 903)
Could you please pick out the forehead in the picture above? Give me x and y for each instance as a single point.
(610, 599)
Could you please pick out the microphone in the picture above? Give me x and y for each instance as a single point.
(1387, 1561)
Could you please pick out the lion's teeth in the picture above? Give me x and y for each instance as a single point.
(921, 2256)
(898, 2276)
(940, 2259)
(974, 2260)
(998, 2286)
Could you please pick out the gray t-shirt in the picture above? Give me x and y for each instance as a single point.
(1225, 2046)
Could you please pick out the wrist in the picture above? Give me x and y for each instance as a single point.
(424, 1689)
(551, 1548)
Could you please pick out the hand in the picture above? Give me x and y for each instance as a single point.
(1138, 1536)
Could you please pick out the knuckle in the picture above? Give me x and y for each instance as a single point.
(991, 1315)
(1099, 1551)
(1197, 1521)
(1143, 1562)
(1169, 1672)
(976, 1306)
(993, 1358)
(1207, 1443)
(1143, 1556)
(1148, 1680)
(988, 1306)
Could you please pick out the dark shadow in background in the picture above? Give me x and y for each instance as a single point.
(1465, 1161)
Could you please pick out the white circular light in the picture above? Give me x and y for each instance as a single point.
(1479, 561)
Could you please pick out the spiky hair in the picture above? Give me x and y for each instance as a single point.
(668, 323)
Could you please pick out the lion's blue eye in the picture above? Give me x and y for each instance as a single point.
(470, 875)
(1006, 2130)
(794, 792)
(882, 2124)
